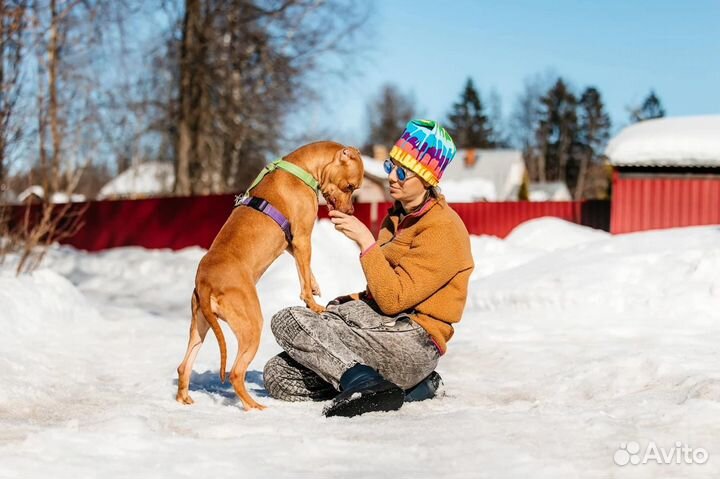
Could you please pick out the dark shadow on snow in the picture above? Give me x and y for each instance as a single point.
(209, 382)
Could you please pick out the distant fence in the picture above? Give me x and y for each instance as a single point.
(177, 223)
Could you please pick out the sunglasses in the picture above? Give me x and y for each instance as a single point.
(402, 174)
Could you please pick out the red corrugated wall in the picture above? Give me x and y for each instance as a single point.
(651, 202)
(194, 221)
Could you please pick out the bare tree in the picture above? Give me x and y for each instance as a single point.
(388, 113)
(243, 66)
(68, 42)
(13, 25)
(66, 38)
(525, 121)
(495, 115)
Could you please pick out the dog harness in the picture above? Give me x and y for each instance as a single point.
(264, 206)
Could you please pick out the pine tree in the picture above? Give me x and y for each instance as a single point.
(557, 131)
(467, 122)
(593, 133)
(651, 108)
(593, 122)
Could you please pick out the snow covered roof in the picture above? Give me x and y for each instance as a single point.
(145, 179)
(468, 191)
(57, 197)
(36, 190)
(503, 169)
(60, 197)
(675, 141)
(495, 175)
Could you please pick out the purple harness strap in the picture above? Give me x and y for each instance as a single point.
(264, 207)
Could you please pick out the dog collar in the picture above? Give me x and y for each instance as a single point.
(293, 169)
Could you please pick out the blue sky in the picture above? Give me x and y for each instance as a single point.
(624, 48)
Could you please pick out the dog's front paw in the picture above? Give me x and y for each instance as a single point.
(315, 307)
(309, 301)
(318, 309)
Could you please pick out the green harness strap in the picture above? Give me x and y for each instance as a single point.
(295, 170)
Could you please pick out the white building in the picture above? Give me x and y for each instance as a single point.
(146, 179)
(484, 175)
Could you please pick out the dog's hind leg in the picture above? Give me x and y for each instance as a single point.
(241, 310)
(198, 329)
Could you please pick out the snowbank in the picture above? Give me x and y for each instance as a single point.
(45, 319)
(675, 141)
(550, 234)
(573, 341)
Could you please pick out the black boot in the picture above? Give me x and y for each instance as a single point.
(364, 390)
(425, 389)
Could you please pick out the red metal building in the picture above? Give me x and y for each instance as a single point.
(666, 174)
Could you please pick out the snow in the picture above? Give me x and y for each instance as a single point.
(31, 190)
(145, 179)
(60, 197)
(674, 141)
(57, 197)
(496, 176)
(573, 341)
(468, 191)
(549, 191)
(503, 168)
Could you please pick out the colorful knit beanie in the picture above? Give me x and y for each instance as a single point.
(425, 148)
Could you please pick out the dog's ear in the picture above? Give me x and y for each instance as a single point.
(349, 154)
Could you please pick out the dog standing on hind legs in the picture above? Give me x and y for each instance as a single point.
(248, 243)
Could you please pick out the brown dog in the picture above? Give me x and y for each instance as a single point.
(246, 246)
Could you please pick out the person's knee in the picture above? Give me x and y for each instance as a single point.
(285, 379)
(272, 377)
(285, 326)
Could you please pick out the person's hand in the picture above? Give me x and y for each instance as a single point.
(353, 228)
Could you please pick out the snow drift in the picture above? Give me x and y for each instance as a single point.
(573, 342)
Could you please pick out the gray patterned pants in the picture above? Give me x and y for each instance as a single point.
(321, 347)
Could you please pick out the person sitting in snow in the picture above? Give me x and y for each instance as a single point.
(380, 347)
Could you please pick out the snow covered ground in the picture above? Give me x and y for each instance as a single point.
(573, 342)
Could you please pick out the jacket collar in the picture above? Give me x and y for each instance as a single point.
(402, 220)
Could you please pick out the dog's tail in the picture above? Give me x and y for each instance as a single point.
(206, 308)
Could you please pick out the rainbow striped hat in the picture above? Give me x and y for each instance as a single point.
(425, 148)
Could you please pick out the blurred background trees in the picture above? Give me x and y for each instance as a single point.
(562, 135)
(92, 87)
(208, 88)
(468, 123)
(387, 115)
(243, 67)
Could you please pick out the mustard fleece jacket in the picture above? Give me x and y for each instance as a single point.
(421, 265)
